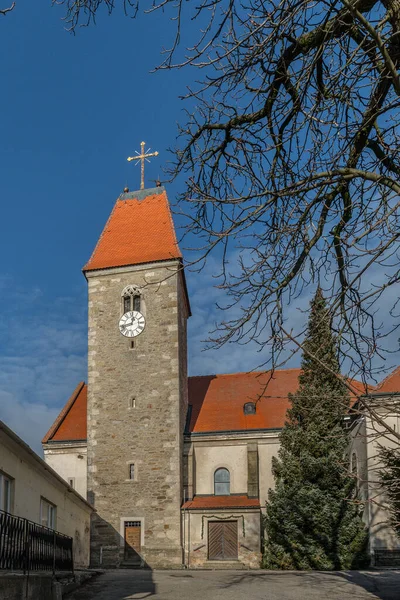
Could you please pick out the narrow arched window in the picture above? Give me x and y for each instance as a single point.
(222, 482)
(354, 466)
(131, 299)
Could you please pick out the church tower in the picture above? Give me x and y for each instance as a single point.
(137, 384)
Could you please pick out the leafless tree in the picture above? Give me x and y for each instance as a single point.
(291, 155)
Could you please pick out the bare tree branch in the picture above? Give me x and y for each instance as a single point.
(4, 11)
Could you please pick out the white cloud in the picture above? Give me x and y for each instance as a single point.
(42, 358)
(29, 420)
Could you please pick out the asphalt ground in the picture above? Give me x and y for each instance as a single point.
(240, 585)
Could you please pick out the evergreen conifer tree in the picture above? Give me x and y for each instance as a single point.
(311, 521)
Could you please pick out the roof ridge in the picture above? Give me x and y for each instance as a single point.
(59, 420)
(245, 373)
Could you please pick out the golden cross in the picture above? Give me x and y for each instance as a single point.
(141, 158)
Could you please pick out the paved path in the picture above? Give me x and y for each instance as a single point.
(240, 585)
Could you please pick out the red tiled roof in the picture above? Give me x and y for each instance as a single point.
(217, 400)
(391, 383)
(214, 502)
(137, 231)
(217, 404)
(71, 423)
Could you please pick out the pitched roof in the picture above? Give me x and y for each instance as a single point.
(216, 402)
(213, 502)
(391, 383)
(71, 423)
(139, 230)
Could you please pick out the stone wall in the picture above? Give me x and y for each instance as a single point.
(16, 586)
(135, 414)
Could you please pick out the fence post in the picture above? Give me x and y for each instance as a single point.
(54, 552)
(26, 547)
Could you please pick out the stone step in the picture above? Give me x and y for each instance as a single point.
(232, 565)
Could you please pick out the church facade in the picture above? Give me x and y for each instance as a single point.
(177, 468)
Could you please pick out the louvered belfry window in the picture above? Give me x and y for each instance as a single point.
(127, 304)
(131, 299)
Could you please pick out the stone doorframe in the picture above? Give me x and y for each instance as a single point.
(122, 522)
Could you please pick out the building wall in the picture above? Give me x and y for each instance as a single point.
(230, 451)
(33, 481)
(70, 462)
(195, 527)
(209, 458)
(148, 432)
(381, 534)
(267, 449)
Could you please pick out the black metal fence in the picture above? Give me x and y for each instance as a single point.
(27, 546)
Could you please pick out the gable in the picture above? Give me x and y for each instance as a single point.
(71, 423)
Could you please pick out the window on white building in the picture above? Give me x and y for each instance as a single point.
(48, 513)
(6, 485)
(222, 482)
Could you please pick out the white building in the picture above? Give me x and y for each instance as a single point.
(31, 489)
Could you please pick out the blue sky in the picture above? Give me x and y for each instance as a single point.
(72, 109)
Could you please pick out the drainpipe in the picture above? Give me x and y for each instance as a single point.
(188, 561)
(184, 529)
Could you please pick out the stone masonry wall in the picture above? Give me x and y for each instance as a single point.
(134, 415)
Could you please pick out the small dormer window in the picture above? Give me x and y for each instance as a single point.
(249, 408)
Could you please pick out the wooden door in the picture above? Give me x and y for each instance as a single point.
(132, 540)
(222, 540)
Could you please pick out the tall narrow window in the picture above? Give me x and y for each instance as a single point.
(222, 482)
(354, 466)
(127, 304)
(47, 513)
(5, 492)
(136, 303)
(131, 471)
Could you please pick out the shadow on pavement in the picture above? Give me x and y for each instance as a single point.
(384, 585)
(117, 585)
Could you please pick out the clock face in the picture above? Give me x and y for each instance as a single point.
(131, 323)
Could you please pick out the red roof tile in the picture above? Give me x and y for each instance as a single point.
(218, 400)
(391, 383)
(71, 423)
(213, 502)
(217, 404)
(137, 231)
